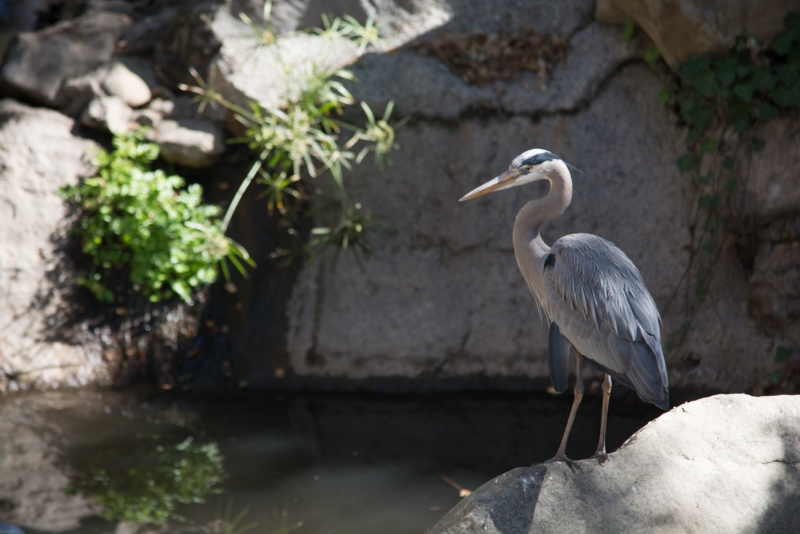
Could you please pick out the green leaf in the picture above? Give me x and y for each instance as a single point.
(743, 72)
(727, 163)
(686, 162)
(741, 124)
(627, 33)
(651, 55)
(781, 96)
(741, 44)
(709, 146)
(763, 78)
(708, 201)
(757, 143)
(781, 44)
(782, 354)
(705, 179)
(693, 135)
(744, 91)
(664, 96)
(792, 21)
(725, 70)
(767, 112)
(793, 59)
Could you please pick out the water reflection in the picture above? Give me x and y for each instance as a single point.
(146, 480)
(315, 464)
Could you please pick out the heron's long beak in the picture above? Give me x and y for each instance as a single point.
(501, 182)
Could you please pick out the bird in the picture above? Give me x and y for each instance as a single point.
(592, 294)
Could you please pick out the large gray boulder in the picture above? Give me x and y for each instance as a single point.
(38, 154)
(38, 63)
(728, 463)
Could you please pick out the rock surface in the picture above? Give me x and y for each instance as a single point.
(443, 296)
(130, 79)
(39, 62)
(727, 463)
(682, 27)
(427, 88)
(107, 113)
(190, 142)
(38, 155)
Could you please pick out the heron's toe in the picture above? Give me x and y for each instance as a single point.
(562, 458)
(601, 457)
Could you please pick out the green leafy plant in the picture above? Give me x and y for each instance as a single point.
(719, 99)
(146, 223)
(628, 30)
(304, 137)
(147, 485)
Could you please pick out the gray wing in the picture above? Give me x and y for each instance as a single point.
(599, 301)
(558, 348)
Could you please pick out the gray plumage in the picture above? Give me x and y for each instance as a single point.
(591, 292)
(597, 297)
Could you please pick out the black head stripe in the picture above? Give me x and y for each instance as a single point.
(540, 158)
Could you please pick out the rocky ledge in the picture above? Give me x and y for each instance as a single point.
(727, 463)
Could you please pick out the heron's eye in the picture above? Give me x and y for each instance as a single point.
(528, 168)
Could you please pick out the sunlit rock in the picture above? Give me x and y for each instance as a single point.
(130, 79)
(190, 142)
(727, 463)
(38, 154)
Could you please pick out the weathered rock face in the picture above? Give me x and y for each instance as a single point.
(38, 155)
(727, 463)
(443, 296)
(682, 27)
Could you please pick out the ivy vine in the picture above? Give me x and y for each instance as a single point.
(719, 99)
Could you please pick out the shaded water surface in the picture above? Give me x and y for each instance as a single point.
(350, 464)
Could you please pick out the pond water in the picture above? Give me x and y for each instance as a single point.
(321, 464)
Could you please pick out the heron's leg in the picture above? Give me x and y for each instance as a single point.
(601, 446)
(561, 455)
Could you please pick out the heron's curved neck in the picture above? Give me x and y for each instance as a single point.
(537, 212)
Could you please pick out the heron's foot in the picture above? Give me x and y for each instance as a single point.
(600, 456)
(563, 458)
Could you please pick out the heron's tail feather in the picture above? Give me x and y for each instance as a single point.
(558, 349)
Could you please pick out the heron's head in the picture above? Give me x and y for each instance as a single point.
(535, 164)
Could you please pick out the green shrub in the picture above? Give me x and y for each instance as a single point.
(146, 223)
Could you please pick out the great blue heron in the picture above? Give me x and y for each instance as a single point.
(591, 292)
